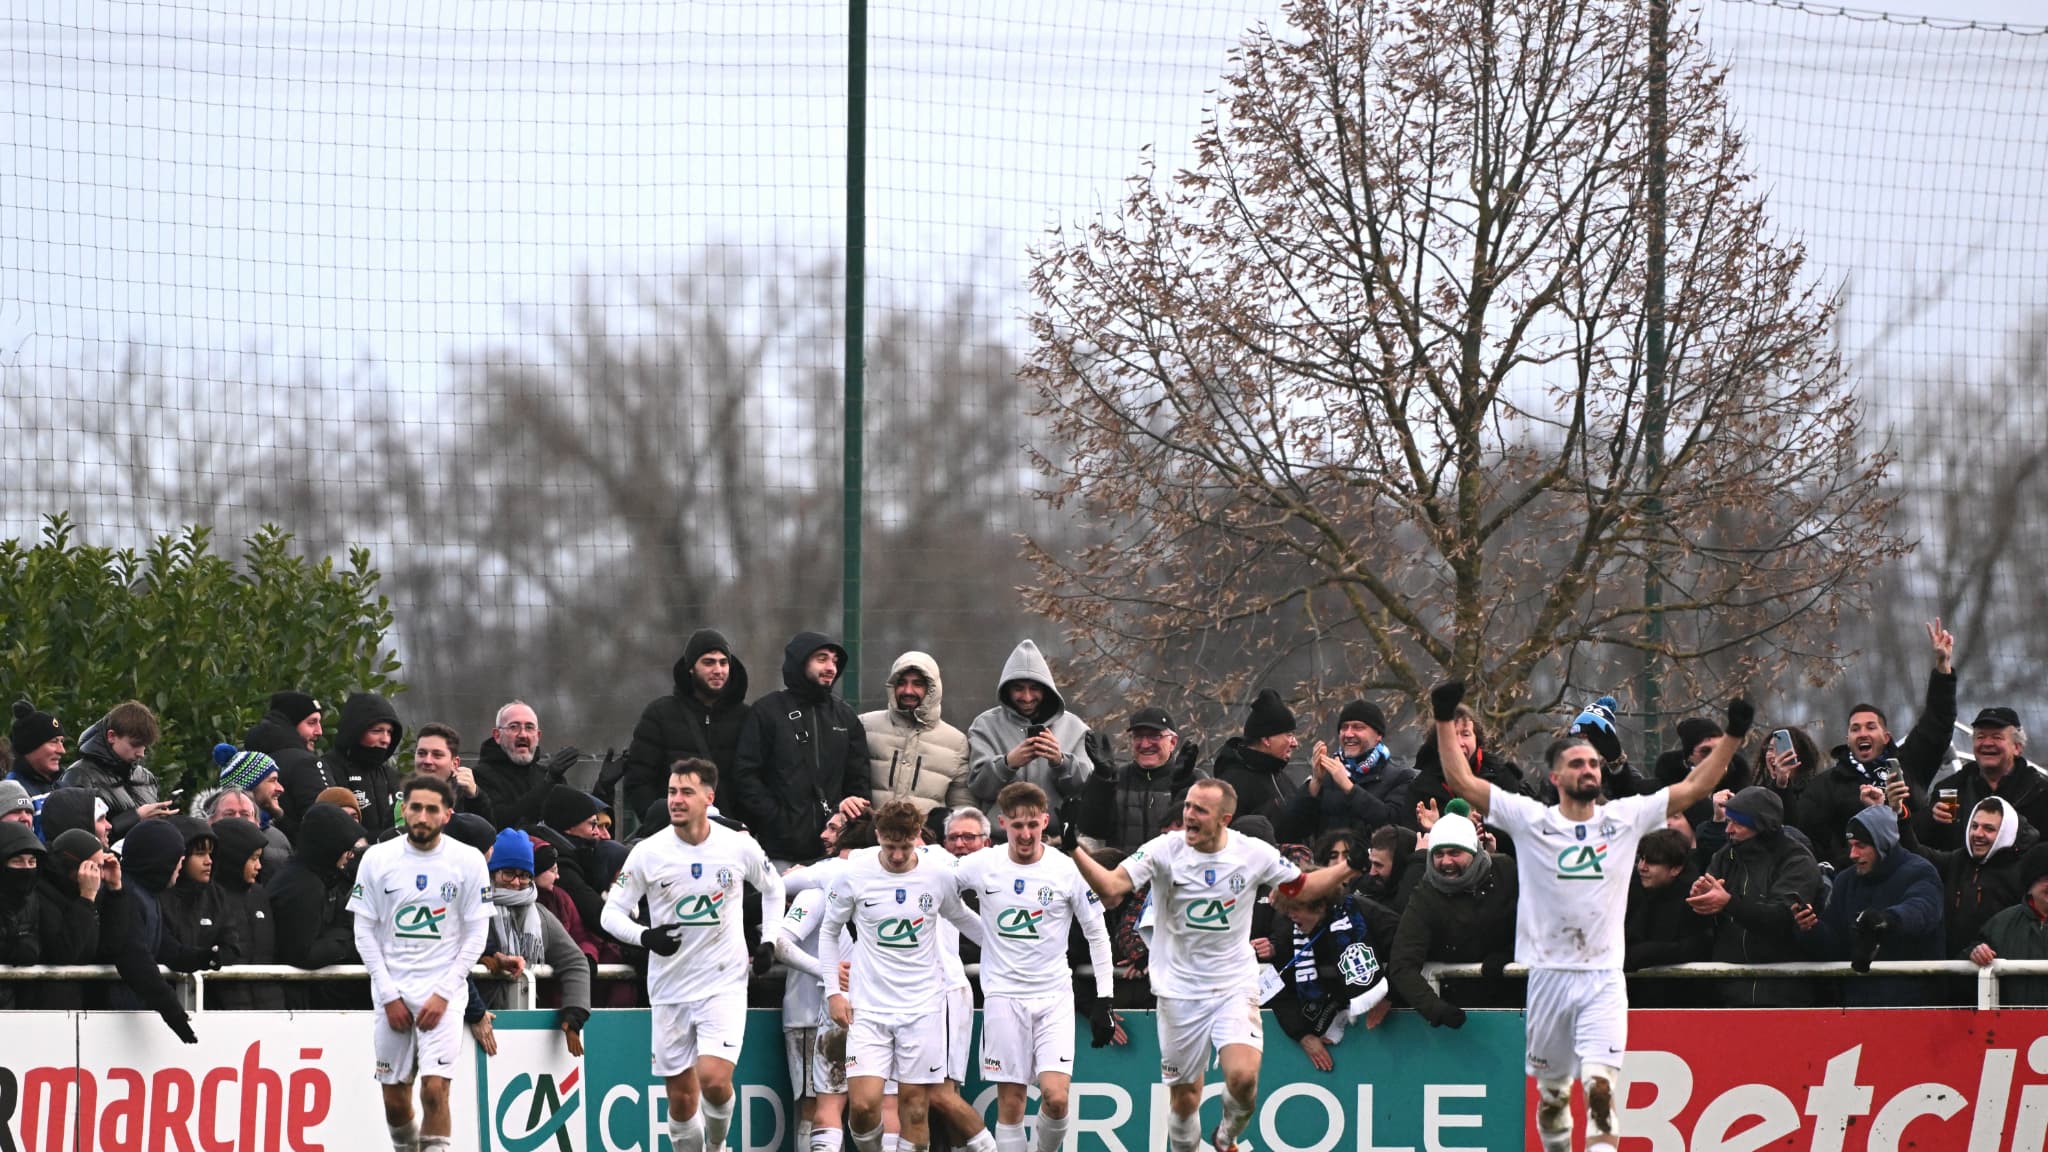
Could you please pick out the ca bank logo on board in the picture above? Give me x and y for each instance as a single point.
(530, 1095)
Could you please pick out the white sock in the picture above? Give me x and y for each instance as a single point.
(717, 1119)
(405, 1137)
(870, 1141)
(1009, 1137)
(686, 1135)
(893, 1142)
(1052, 1132)
(826, 1139)
(436, 1143)
(1235, 1117)
(982, 1141)
(1183, 1132)
(1556, 1141)
(803, 1134)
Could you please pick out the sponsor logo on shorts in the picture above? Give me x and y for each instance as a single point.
(699, 911)
(991, 1065)
(1169, 1069)
(1581, 862)
(1210, 915)
(897, 932)
(1018, 923)
(418, 922)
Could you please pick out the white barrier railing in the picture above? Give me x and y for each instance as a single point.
(191, 986)
(1986, 977)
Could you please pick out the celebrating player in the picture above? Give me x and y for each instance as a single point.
(1577, 858)
(1205, 879)
(421, 917)
(1029, 899)
(690, 875)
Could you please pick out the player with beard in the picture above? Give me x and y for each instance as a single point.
(1570, 914)
(422, 914)
(511, 773)
(690, 874)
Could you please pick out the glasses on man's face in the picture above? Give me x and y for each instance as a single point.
(512, 880)
(519, 727)
(962, 837)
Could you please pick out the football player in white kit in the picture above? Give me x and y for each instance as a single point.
(1575, 862)
(1205, 879)
(1029, 900)
(421, 917)
(895, 1009)
(690, 875)
(814, 1045)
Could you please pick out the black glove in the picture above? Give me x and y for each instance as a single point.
(181, 1027)
(1101, 753)
(1445, 1015)
(1741, 714)
(1872, 925)
(560, 763)
(1445, 698)
(1495, 966)
(764, 957)
(574, 1017)
(1070, 837)
(1101, 1023)
(663, 941)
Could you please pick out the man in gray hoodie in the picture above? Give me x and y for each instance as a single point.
(1029, 735)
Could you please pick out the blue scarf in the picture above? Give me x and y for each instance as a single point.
(1363, 767)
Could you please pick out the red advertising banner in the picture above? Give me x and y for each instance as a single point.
(1939, 1080)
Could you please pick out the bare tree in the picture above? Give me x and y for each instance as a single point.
(1362, 395)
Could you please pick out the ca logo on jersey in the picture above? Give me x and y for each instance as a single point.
(699, 911)
(1210, 915)
(1018, 923)
(1581, 862)
(896, 932)
(418, 922)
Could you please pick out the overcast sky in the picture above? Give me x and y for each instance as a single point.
(399, 183)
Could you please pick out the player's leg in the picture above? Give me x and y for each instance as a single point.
(1183, 1059)
(675, 1061)
(396, 1059)
(913, 1110)
(798, 1046)
(435, 1051)
(1052, 1059)
(714, 1089)
(828, 1076)
(437, 1124)
(1005, 1030)
(405, 1132)
(870, 1056)
(1551, 1058)
(963, 1124)
(1237, 1032)
(1601, 1041)
(721, 1031)
(1053, 1088)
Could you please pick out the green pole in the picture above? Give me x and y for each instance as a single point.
(1654, 386)
(856, 363)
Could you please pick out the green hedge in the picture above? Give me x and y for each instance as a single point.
(201, 640)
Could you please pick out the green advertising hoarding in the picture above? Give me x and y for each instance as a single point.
(1403, 1087)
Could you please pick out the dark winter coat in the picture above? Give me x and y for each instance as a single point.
(124, 786)
(69, 933)
(588, 868)
(65, 809)
(1428, 785)
(309, 905)
(2018, 933)
(1378, 795)
(142, 941)
(251, 920)
(1466, 928)
(199, 916)
(21, 919)
(1265, 784)
(802, 750)
(370, 773)
(1660, 928)
(1124, 806)
(1833, 797)
(1902, 884)
(1766, 876)
(303, 775)
(679, 725)
(1323, 969)
(511, 795)
(1974, 890)
(2024, 788)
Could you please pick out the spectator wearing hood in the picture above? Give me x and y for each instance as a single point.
(2020, 933)
(1999, 768)
(1361, 788)
(21, 919)
(1982, 878)
(1394, 865)
(38, 742)
(1836, 795)
(309, 904)
(239, 862)
(369, 735)
(1463, 912)
(67, 808)
(194, 909)
(1750, 889)
(150, 858)
(72, 899)
(512, 773)
(701, 718)
(1256, 763)
(1887, 906)
(802, 754)
(913, 754)
(257, 773)
(110, 765)
(1124, 805)
(1030, 735)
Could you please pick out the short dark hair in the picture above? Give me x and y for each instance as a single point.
(858, 833)
(898, 820)
(446, 732)
(1019, 795)
(1664, 847)
(1386, 838)
(1562, 745)
(1871, 708)
(133, 719)
(704, 770)
(439, 786)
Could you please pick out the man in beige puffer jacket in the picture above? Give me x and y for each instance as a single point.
(912, 754)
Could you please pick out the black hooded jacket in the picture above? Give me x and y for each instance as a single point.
(125, 787)
(802, 750)
(251, 921)
(680, 725)
(21, 920)
(70, 932)
(149, 863)
(309, 905)
(65, 809)
(1766, 876)
(370, 773)
(198, 913)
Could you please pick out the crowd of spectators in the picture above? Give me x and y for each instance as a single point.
(1879, 849)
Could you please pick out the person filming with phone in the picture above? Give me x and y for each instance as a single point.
(1030, 735)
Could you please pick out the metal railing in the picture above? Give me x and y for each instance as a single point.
(191, 986)
(1987, 977)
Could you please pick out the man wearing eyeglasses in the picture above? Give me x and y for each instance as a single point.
(1124, 805)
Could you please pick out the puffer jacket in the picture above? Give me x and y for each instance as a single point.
(1124, 806)
(1001, 728)
(1765, 876)
(1901, 884)
(680, 725)
(917, 756)
(1975, 890)
(125, 787)
(802, 750)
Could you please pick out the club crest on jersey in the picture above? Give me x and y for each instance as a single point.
(1045, 896)
(450, 890)
(1579, 830)
(420, 881)
(1608, 828)
(725, 877)
(925, 903)
(902, 895)
(696, 871)
(1020, 888)
(1236, 885)
(1209, 877)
